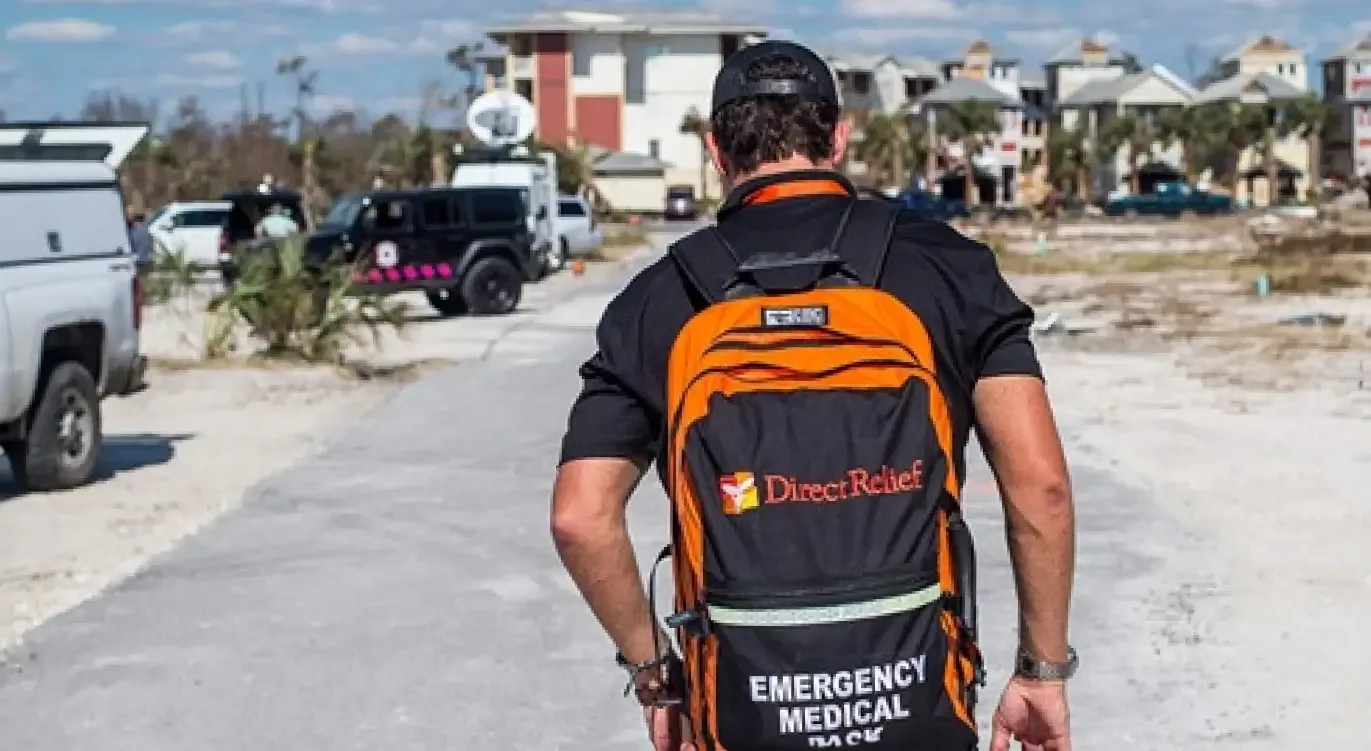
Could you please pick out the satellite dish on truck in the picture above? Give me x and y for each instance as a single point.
(501, 118)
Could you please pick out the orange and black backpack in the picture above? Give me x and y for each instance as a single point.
(824, 577)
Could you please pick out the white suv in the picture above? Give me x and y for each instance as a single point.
(192, 229)
(576, 230)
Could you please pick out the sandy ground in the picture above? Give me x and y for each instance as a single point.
(188, 448)
(1265, 598)
(1255, 438)
(176, 456)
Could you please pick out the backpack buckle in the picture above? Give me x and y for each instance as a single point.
(691, 621)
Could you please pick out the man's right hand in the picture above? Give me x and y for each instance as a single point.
(1035, 714)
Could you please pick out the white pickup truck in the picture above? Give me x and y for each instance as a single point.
(69, 296)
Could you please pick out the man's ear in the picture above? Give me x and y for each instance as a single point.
(841, 135)
(715, 158)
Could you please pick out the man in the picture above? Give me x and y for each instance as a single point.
(140, 239)
(785, 148)
(277, 223)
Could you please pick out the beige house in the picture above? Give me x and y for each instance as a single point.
(1144, 95)
(1265, 70)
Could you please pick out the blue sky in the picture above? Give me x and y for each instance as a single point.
(379, 54)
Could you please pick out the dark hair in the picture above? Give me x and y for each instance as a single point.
(754, 131)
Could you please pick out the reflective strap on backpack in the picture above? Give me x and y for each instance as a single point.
(825, 614)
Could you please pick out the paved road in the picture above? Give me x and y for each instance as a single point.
(401, 592)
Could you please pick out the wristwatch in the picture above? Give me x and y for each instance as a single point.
(1030, 667)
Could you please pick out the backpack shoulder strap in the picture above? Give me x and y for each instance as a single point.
(864, 242)
(707, 261)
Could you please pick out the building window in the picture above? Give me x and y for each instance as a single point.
(654, 149)
(1294, 69)
(861, 82)
(580, 63)
(524, 88)
(521, 45)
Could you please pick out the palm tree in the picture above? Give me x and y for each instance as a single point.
(972, 124)
(693, 124)
(1307, 118)
(305, 88)
(463, 58)
(1138, 136)
(890, 147)
(1237, 128)
(1069, 159)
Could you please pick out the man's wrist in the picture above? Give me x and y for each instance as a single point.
(1030, 667)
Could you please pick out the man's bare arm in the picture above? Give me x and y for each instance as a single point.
(591, 531)
(1020, 440)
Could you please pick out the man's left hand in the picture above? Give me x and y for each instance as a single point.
(668, 728)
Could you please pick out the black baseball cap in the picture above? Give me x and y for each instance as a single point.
(732, 82)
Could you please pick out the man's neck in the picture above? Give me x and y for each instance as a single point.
(791, 164)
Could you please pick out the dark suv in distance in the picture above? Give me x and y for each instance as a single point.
(468, 249)
(680, 203)
(238, 234)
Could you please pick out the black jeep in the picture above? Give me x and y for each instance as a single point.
(468, 249)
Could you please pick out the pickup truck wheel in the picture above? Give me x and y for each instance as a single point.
(448, 302)
(492, 286)
(64, 439)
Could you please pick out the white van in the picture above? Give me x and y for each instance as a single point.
(192, 229)
(535, 176)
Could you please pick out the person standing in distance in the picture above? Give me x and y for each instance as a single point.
(776, 138)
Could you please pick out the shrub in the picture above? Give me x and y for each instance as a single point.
(297, 309)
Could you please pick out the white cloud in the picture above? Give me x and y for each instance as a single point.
(926, 9)
(435, 37)
(178, 81)
(361, 44)
(191, 32)
(7, 65)
(880, 37)
(60, 30)
(1042, 39)
(222, 59)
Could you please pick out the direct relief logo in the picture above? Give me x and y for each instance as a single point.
(739, 491)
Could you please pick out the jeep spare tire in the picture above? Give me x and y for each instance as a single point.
(492, 286)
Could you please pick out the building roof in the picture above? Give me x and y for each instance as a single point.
(626, 163)
(846, 61)
(1356, 49)
(1236, 87)
(1265, 45)
(962, 89)
(645, 21)
(1074, 53)
(918, 67)
(1112, 90)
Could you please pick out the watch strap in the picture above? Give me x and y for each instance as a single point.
(1030, 667)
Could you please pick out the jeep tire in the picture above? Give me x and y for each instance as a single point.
(64, 436)
(492, 286)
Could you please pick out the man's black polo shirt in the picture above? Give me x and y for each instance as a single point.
(979, 327)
